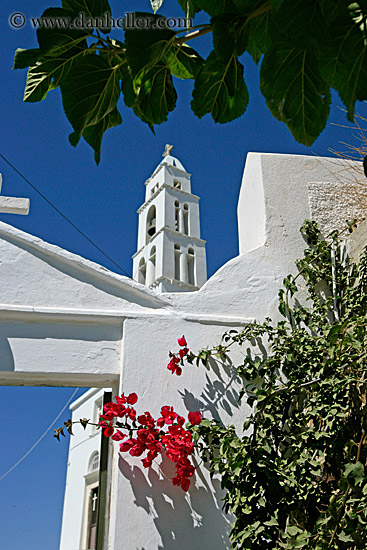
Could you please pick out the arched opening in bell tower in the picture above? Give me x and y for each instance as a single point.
(177, 262)
(186, 219)
(151, 223)
(142, 271)
(177, 216)
(151, 266)
(191, 265)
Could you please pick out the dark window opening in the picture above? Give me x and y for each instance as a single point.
(92, 523)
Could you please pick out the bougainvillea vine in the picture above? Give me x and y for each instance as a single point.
(145, 434)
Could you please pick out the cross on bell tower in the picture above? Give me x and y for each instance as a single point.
(171, 256)
(13, 205)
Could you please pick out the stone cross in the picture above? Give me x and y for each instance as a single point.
(167, 150)
(13, 205)
(94, 501)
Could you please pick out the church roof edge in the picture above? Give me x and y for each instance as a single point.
(78, 262)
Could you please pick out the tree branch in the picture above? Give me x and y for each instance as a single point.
(193, 35)
(196, 34)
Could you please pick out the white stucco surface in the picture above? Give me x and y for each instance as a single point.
(278, 193)
(67, 321)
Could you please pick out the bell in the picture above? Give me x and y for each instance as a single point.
(151, 228)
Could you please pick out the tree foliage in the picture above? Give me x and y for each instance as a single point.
(306, 47)
(297, 478)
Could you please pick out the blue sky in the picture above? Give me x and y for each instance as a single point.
(102, 201)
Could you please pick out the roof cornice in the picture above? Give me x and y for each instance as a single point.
(162, 165)
(165, 186)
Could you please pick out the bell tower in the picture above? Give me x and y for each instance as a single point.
(171, 256)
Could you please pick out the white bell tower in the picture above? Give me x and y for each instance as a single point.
(171, 256)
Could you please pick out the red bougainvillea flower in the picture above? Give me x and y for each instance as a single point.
(126, 445)
(118, 436)
(183, 352)
(132, 399)
(147, 461)
(185, 484)
(120, 400)
(180, 420)
(182, 341)
(107, 432)
(184, 470)
(173, 366)
(177, 358)
(146, 419)
(130, 413)
(195, 418)
(168, 416)
(150, 435)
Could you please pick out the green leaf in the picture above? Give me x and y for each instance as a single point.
(84, 422)
(248, 6)
(48, 72)
(356, 471)
(130, 97)
(25, 58)
(58, 41)
(217, 7)
(300, 22)
(93, 134)
(293, 530)
(185, 62)
(295, 91)
(259, 36)
(333, 8)
(241, 31)
(301, 541)
(205, 422)
(147, 48)
(230, 35)
(156, 4)
(149, 54)
(345, 61)
(220, 90)
(272, 522)
(127, 86)
(223, 39)
(334, 333)
(58, 50)
(156, 95)
(37, 84)
(344, 537)
(90, 92)
(91, 8)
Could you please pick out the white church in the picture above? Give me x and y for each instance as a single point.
(87, 326)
